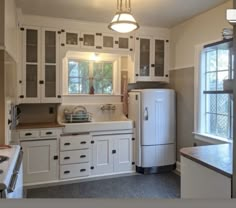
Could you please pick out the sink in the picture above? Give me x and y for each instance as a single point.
(106, 123)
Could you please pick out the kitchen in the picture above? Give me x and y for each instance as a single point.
(56, 53)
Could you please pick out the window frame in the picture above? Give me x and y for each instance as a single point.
(199, 100)
(75, 55)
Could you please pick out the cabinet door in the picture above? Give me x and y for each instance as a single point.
(123, 43)
(108, 41)
(102, 157)
(143, 58)
(31, 65)
(38, 161)
(123, 157)
(70, 39)
(50, 70)
(160, 59)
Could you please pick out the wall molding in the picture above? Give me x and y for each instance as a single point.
(182, 67)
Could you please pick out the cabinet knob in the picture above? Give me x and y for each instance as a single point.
(91, 167)
(63, 44)
(66, 158)
(48, 133)
(152, 65)
(59, 96)
(92, 142)
(167, 75)
(28, 134)
(82, 170)
(66, 172)
(136, 75)
(55, 157)
(41, 82)
(113, 151)
(82, 156)
(67, 144)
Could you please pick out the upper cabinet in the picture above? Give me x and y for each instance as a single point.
(96, 41)
(40, 66)
(151, 59)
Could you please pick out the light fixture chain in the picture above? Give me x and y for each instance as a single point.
(129, 6)
(121, 5)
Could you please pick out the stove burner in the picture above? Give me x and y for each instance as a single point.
(3, 158)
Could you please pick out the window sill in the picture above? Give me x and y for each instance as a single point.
(210, 139)
(90, 95)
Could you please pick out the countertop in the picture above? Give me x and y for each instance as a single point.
(39, 125)
(216, 157)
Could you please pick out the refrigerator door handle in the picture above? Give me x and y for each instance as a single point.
(146, 114)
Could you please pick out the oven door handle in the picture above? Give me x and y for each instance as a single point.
(12, 185)
(18, 163)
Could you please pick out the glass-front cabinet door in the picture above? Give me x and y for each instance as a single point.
(50, 72)
(31, 65)
(151, 59)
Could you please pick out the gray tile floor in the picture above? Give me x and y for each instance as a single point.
(156, 186)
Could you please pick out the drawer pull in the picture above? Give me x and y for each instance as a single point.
(67, 144)
(66, 172)
(48, 133)
(83, 142)
(82, 156)
(66, 158)
(28, 134)
(82, 170)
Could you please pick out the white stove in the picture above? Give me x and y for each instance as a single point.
(11, 177)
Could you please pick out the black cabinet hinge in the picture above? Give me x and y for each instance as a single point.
(59, 32)
(131, 49)
(20, 81)
(167, 41)
(131, 37)
(91, 167)
(62, 30)
(99, 34)
(133, 163)
(63, 44)
(116, 42)
(41, 82)
(92, 142)
(136, 99)
(113, 151)
(81, 39)
(22, 96)
(167, 75)
(59, 96)
(137, 38)
(152, 65)
(22, 29)
(136, 75)
(98, 47)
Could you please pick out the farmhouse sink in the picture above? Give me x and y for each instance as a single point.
(100, 124)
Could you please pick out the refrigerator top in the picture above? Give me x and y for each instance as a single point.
(151, 90)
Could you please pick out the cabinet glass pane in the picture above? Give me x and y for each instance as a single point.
(50, 81)
(108, 41)
(159, 57)
(71, 38)
(31, 45)
(50, 47)
(144, 57)
(124, 43)
(31, 80)
(89, 40)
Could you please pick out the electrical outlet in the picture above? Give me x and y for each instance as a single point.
(51, 110)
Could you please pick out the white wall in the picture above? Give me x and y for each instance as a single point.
(11, 28)
(200, 29)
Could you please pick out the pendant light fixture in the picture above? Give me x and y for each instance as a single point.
(123, 21)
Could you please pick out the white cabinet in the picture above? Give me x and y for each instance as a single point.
(96, 41)
(151, 59)
(112, 153)
(40, 66)
(40, 161)
(200, 182)
(74, 156)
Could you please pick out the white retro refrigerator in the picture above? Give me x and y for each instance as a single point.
(154, 116)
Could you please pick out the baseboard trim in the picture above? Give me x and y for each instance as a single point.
(177, 170)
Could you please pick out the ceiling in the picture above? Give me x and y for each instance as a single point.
(157, 13)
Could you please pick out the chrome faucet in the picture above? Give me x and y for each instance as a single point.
(108, 107)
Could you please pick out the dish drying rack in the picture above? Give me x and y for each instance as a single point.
(78, 115)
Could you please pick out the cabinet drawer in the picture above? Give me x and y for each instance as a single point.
(48, 133)
(29, 134)
(74, 142)
(75, 170)
(75, 156)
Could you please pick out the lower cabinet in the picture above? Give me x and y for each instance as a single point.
(40, 161)
(111, 153)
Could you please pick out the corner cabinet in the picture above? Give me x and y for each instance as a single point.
(40, 66)
(151, 59)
